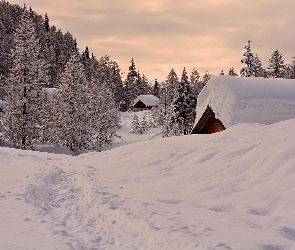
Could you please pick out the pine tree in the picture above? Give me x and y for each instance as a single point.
(171, 85)
(183, 116)
(104, 116)
(194, 77)
(248, 60)
(46, 23)
(258, 70)
(130, 85)
(196, 84)
(107, 71)
(85, 56)
(71, 116)
(276, 65)
(144, 87)
(290, 71)
(135, 126)
(144, 125)
(206, 77)
(156, 89)
(232, 72)
(24, 115)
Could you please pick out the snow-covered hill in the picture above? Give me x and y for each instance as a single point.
(229, 190)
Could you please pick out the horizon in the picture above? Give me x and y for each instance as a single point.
(208, 35)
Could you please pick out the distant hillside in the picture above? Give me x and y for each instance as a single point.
(55, 44)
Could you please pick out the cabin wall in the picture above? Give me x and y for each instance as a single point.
(211, 125)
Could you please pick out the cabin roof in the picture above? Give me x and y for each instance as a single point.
(148, 100)
(247, 100)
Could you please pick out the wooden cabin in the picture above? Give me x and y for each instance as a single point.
(145, 102)
(208, 124)
(228, 100)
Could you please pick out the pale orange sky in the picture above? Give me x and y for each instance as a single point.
(164, 34)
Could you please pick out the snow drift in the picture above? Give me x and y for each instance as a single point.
(230, 190)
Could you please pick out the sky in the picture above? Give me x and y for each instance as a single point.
(208, 35)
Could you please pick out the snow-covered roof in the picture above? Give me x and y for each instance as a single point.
(148, 100)
(248, 99)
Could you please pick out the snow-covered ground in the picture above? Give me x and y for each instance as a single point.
(230, 190)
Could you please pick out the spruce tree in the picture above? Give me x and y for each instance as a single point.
(248, 60)
(46, 23)
(171, 85)
(24, 115)
(134, 126)
(183, 116)
(276, 67)
(144, 125)
(232, 72)
(130, 85)
(290, 71)
(156, 89)
(258, 70)
(206, 77)
(196, 84)
(71, 116)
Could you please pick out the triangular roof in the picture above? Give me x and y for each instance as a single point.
(248, 100)
(148, 100)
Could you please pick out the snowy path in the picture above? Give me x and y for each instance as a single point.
(231, 190)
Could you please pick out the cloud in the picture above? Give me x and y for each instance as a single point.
(164, 34)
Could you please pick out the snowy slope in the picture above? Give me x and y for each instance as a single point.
(230, 190)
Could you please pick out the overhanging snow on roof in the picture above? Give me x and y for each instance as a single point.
(148, 100)
(248, 100)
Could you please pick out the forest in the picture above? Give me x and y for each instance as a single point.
(55, 94)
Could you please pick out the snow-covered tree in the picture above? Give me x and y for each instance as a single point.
(183, 116)
(196, 84)
(194, 77)
(258, 70)
(248, 60)
(24, 115)
(46, 23)
(130, 87)
(144, 124)
(156, 89)
(232, 72)
(105, 117)
(290, 71)
(107, 71)
(171, 85)
(135, 126)
(71, 116)
(276, 65)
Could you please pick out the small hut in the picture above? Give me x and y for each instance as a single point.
(229, 100)
(145, 102)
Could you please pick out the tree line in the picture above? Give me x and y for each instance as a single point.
(55, 94)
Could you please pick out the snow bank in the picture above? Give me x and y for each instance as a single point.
(229, 190)
(148, 100)
(248, 100)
